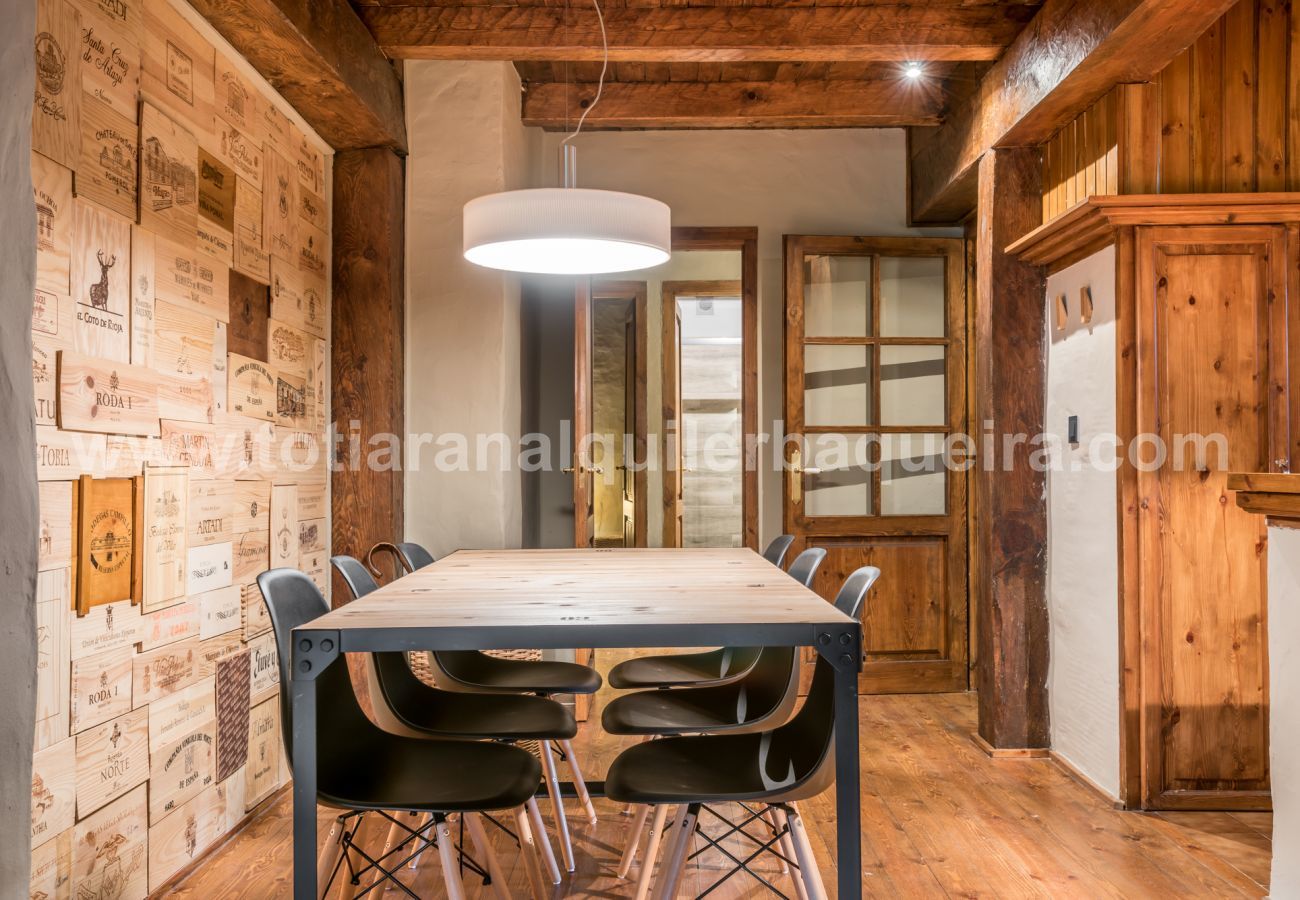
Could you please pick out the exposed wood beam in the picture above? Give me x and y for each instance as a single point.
(1071, 53)
(735, 104)
(695, 34)
(320, 57)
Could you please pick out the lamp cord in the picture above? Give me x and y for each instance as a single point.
(600, 86)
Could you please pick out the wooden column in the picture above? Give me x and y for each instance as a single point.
(1009, 537)
(368, 313)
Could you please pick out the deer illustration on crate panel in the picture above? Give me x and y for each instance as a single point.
(99, 290)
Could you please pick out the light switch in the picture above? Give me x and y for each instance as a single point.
(1072, 429)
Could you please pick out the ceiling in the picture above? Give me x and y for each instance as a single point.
(714, 63)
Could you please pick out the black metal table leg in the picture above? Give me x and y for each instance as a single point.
(312, 653)
(842, 648)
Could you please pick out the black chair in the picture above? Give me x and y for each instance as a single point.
(775, 768)
(711, 667)
(476, 673)
(776, 551)
(362, 769)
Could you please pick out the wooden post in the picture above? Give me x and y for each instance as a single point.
(1009, 542)
(367, 348)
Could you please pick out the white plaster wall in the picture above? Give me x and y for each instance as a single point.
(462, 321)
(1083, 566)
(819, 181)
(1284, 711)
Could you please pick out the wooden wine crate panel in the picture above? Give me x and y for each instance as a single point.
(262, 771)
(52, 192)
(185, 835)
(250, 310)
(251, 388)
(312, 501)
(212, 286)
(310, 162)
(284, 526)
(214, 650)
(251, 256)
(174, 273)
(109, 148)
(53, 319)
(211, 512)
(101, 688)
(171, 718)
(252, 506)
(279, 205)
(233, 691)
(289, 349)
(113, 398)
(52, 868)
(54, 790)
(296, 298)
(276, 128)
(169, 626)
(216, 242)
(53, 659)
(169, 195)
(241, 152)
(312, 209)
(252, 552)
(111, 759)
(109, 853)
(101, 289)
(157, 673)
(221, 612)
(220, 374)
(113, 626)
(189, 444)
(216, 191)
(313, 536)
(301, 455)
(264, 667)
(166, 505)
(186, 399)
(290, 401)
(313, 249)
(210, 567)
(110, 60)
(178, 66)
(183, 339)
(256, 617)
(182, 770)
(54, 542)
(237, 101)
(107, 516)
(315, 565)
(56, 111)
(124, 16)
(253, 443)
(126, 455)
(143, 282)
(318, 395)
(63, 455)
(45, 383)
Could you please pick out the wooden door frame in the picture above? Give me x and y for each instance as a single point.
(622, 289)
(669, 292)
(579, 463)
(744, 240)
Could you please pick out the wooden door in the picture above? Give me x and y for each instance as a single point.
(674, 433)
(874, 385)
(1211, 313)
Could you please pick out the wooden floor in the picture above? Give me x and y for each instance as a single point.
(940, 819)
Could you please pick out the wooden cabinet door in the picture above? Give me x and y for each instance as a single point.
(1211, 313)
(875, 369)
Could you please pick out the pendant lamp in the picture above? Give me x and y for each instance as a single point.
(568, 230)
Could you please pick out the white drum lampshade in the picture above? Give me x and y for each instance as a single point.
(567, 231)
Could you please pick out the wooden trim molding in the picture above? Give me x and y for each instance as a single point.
(1092, 224)
(1271, 494)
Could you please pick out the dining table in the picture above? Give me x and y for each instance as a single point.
(582, 598)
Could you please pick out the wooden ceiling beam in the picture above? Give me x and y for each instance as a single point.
(734, 104)
(321, 59)
(1068, 57)
(696, 34)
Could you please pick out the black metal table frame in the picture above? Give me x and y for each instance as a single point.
(838, 642)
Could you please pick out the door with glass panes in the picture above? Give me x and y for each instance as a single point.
(875, 385)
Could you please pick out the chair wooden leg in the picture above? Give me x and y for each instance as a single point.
(450, 866)
(329, 854)
(415, 860)
(787, 850)
(812, 878)
(557, 803)
(543, 840)
(483, 847)
(633, 838)
(770, 818)
(579, 783)
(528, 855)
(670, 874)
(651, 852)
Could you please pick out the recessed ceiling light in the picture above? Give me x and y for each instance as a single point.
(914, 70)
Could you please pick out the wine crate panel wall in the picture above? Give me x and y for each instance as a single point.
(175, 390)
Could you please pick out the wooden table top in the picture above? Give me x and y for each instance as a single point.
(520, 589)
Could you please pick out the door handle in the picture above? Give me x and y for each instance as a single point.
(796, 476)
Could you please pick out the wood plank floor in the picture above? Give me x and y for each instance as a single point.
(940, 819)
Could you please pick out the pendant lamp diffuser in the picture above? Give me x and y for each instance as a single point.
(567, 231)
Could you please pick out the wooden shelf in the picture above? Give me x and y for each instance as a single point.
(1270, 494)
